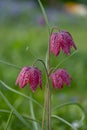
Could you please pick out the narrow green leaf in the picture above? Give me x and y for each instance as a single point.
(9, 119)
(28, 118)
(18, 115)
(21, 94)
(4, 111)
(80, 122)
(9, 64)
(64, 121)
(66, 104)
(64, 60)
(31, 119)
(33, 115)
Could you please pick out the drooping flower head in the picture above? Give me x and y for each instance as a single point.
(61, 41)
(31, 75)
(59, 78)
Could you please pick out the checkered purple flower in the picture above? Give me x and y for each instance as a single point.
(31, 75)
(59, 78)
(61, 41)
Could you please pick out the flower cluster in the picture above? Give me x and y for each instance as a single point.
(33, 76)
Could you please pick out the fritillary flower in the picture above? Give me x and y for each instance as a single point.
(31, 75)
(61, 41)
(59, 78)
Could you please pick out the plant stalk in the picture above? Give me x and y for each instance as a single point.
(47, 101)
(48, 93)
(48, 109)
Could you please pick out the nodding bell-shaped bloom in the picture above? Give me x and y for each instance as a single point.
(29, 75)
(61, 41)
(59, 78)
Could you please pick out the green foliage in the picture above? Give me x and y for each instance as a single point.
(20, 43)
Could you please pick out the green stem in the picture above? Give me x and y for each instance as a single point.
(47, 106)
(47, 102)
(44, 14)
(48, 109)
(48, 91)
(44, 111)
(52, 29)
(48, 99)
(47, 74)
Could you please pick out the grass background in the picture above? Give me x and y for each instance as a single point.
(22, 40)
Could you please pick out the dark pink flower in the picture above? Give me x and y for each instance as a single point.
(59, 78)
(29, 75)
(61, 40)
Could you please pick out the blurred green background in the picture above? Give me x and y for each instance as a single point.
(24, 37)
